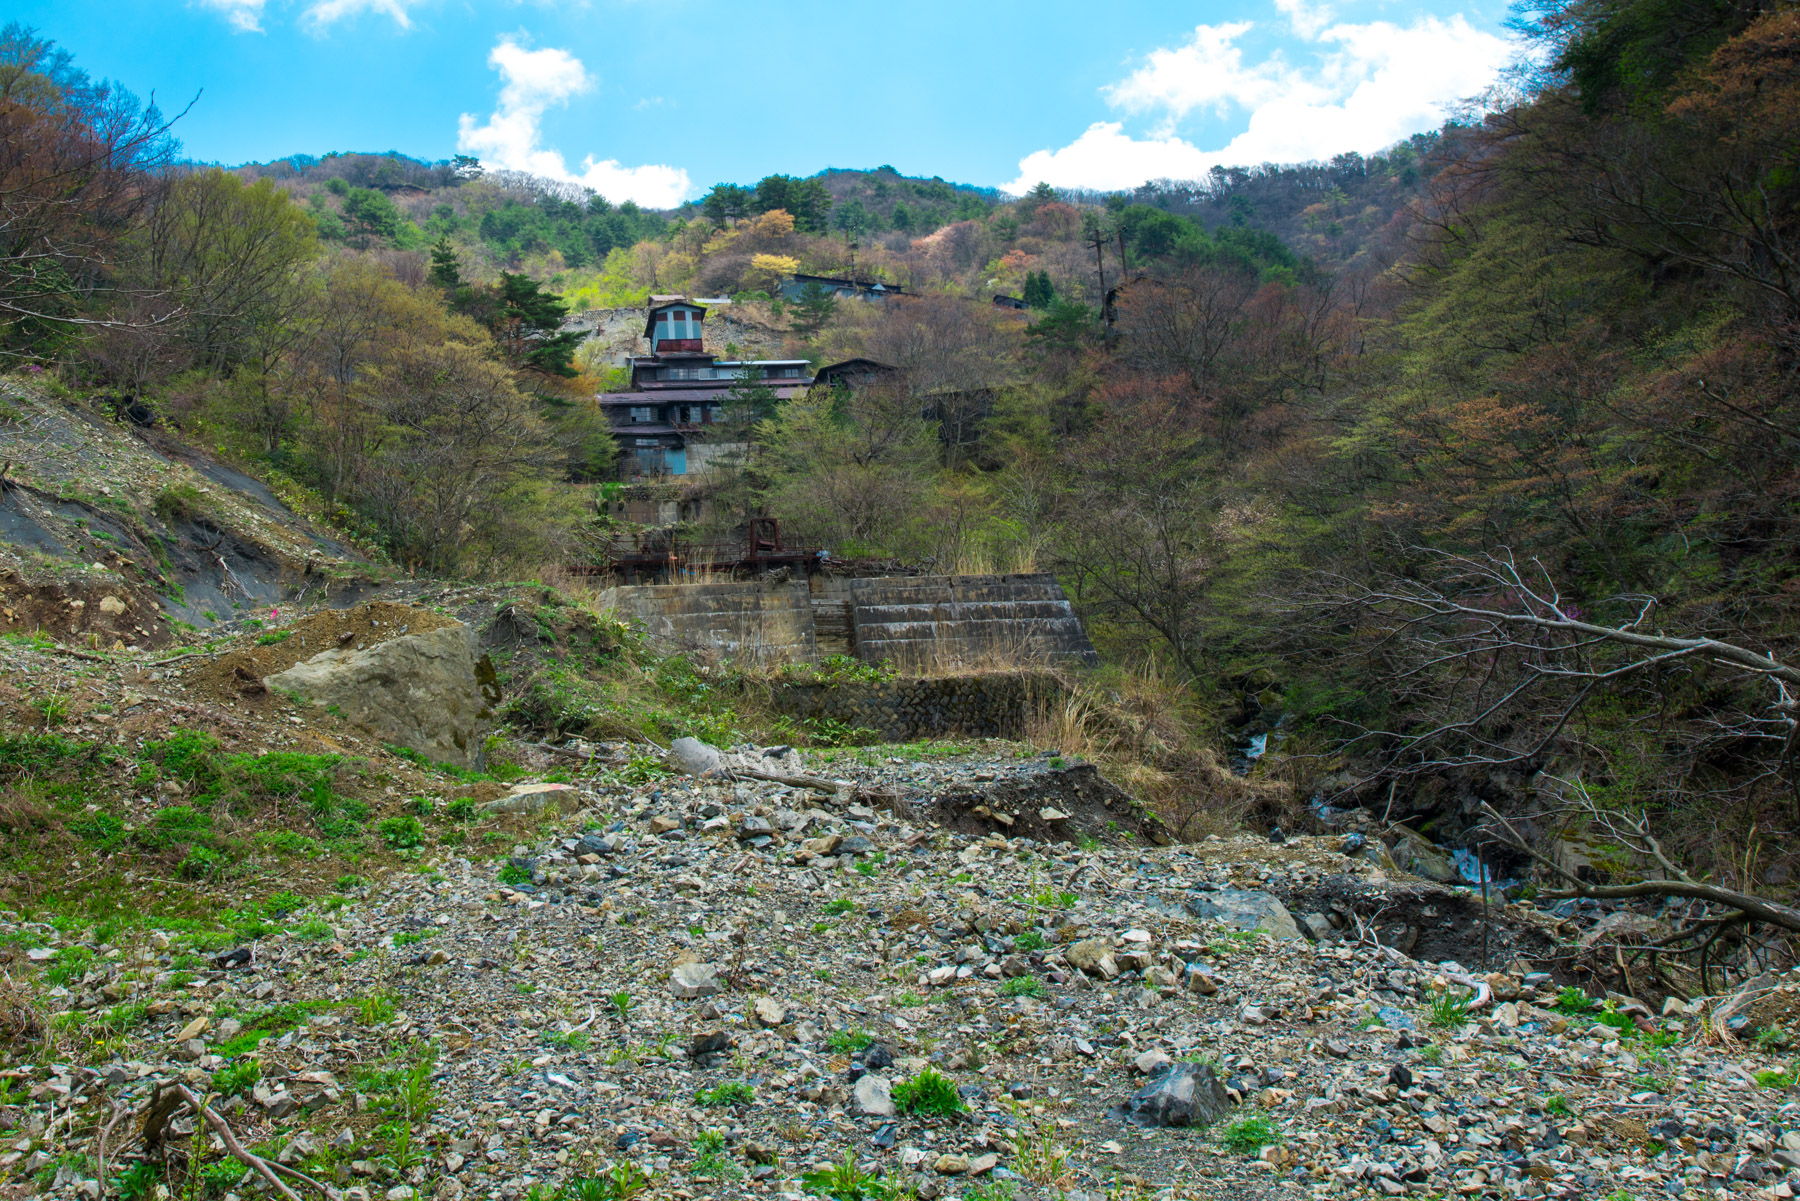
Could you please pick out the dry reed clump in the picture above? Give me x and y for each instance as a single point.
(1141, 732)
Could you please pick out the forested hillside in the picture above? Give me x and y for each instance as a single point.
(1377, 456)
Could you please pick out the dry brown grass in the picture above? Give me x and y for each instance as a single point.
(1141, 731)
(22, 1019)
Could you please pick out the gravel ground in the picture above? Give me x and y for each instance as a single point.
(732, 984)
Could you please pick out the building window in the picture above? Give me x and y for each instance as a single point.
(647, 442)
(642, 414)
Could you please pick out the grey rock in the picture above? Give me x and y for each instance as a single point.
(1315, 926)
(690, 981)
(1182, 1094)
(1244, 909)
(694, 757)
(429, 691)
(873, 1097)
(1419, 855)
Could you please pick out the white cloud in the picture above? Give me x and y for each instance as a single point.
(245, 15)
(321, 13)
(533, 81)
(1208, 72)
(1364, 87)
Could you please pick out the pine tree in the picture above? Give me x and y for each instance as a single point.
(530, 328)
(812, 309)
(1040, 293)
(446, 272)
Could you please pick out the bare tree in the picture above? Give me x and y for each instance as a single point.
(78, 165)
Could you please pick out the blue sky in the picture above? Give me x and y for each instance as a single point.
(659, 99)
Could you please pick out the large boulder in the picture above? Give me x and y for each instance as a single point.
(1419, 855)
(1244, 909)
(430, 692)
(1179, 1094)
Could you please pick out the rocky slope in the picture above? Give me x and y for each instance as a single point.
(738, 987)
(112, 533)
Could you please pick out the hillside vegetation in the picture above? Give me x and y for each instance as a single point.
(1369, 459)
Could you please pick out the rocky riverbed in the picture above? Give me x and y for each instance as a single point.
(745, 987)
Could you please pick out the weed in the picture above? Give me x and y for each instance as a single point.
(1031, 940)
(571, 1040)
(1036, 1155)
(909, 1000)
(1558, 1105)
(314, 930)
(1024, 986)
(237, 1078)
(843, 1181)
(1432, 1054)
(1573, 1001)
(53, 710)
(273, 637)
(1048, 898)
(1780, 1081)
(622, 1181)
(710, 1158)
(514, 873)
(401, 832)
(138, 1183)
(621, 1004)
(1246, 1136)
(1772, 1039)
(644, 769)
(374, 1009)
(840, 906)
(1450, 1009)
(848, 1041)
(930, 1092)
(731, 1092)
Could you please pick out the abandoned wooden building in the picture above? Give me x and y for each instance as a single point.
(674, 418)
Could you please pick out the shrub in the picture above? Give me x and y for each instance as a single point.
(401, 833)
(1247, 1136)
(202, 863)
(930, 1092)
(179, 502)
(1024, 986)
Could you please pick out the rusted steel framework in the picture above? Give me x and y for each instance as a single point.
(756, 549)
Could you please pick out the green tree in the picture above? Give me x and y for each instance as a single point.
(852, 218)
(372, 215)
(813, 309)
(726, 203)
(1067, 325)
(1040, 293)
(806, 200)
(528, 325)
(446, 272)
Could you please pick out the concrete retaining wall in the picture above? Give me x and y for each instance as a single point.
(919, 624)
(986, 706)
(951, 623)
(750, 622)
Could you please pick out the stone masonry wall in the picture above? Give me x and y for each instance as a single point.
(979, 706)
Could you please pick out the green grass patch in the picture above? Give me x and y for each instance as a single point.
(930, 1092)
(731, 1092)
